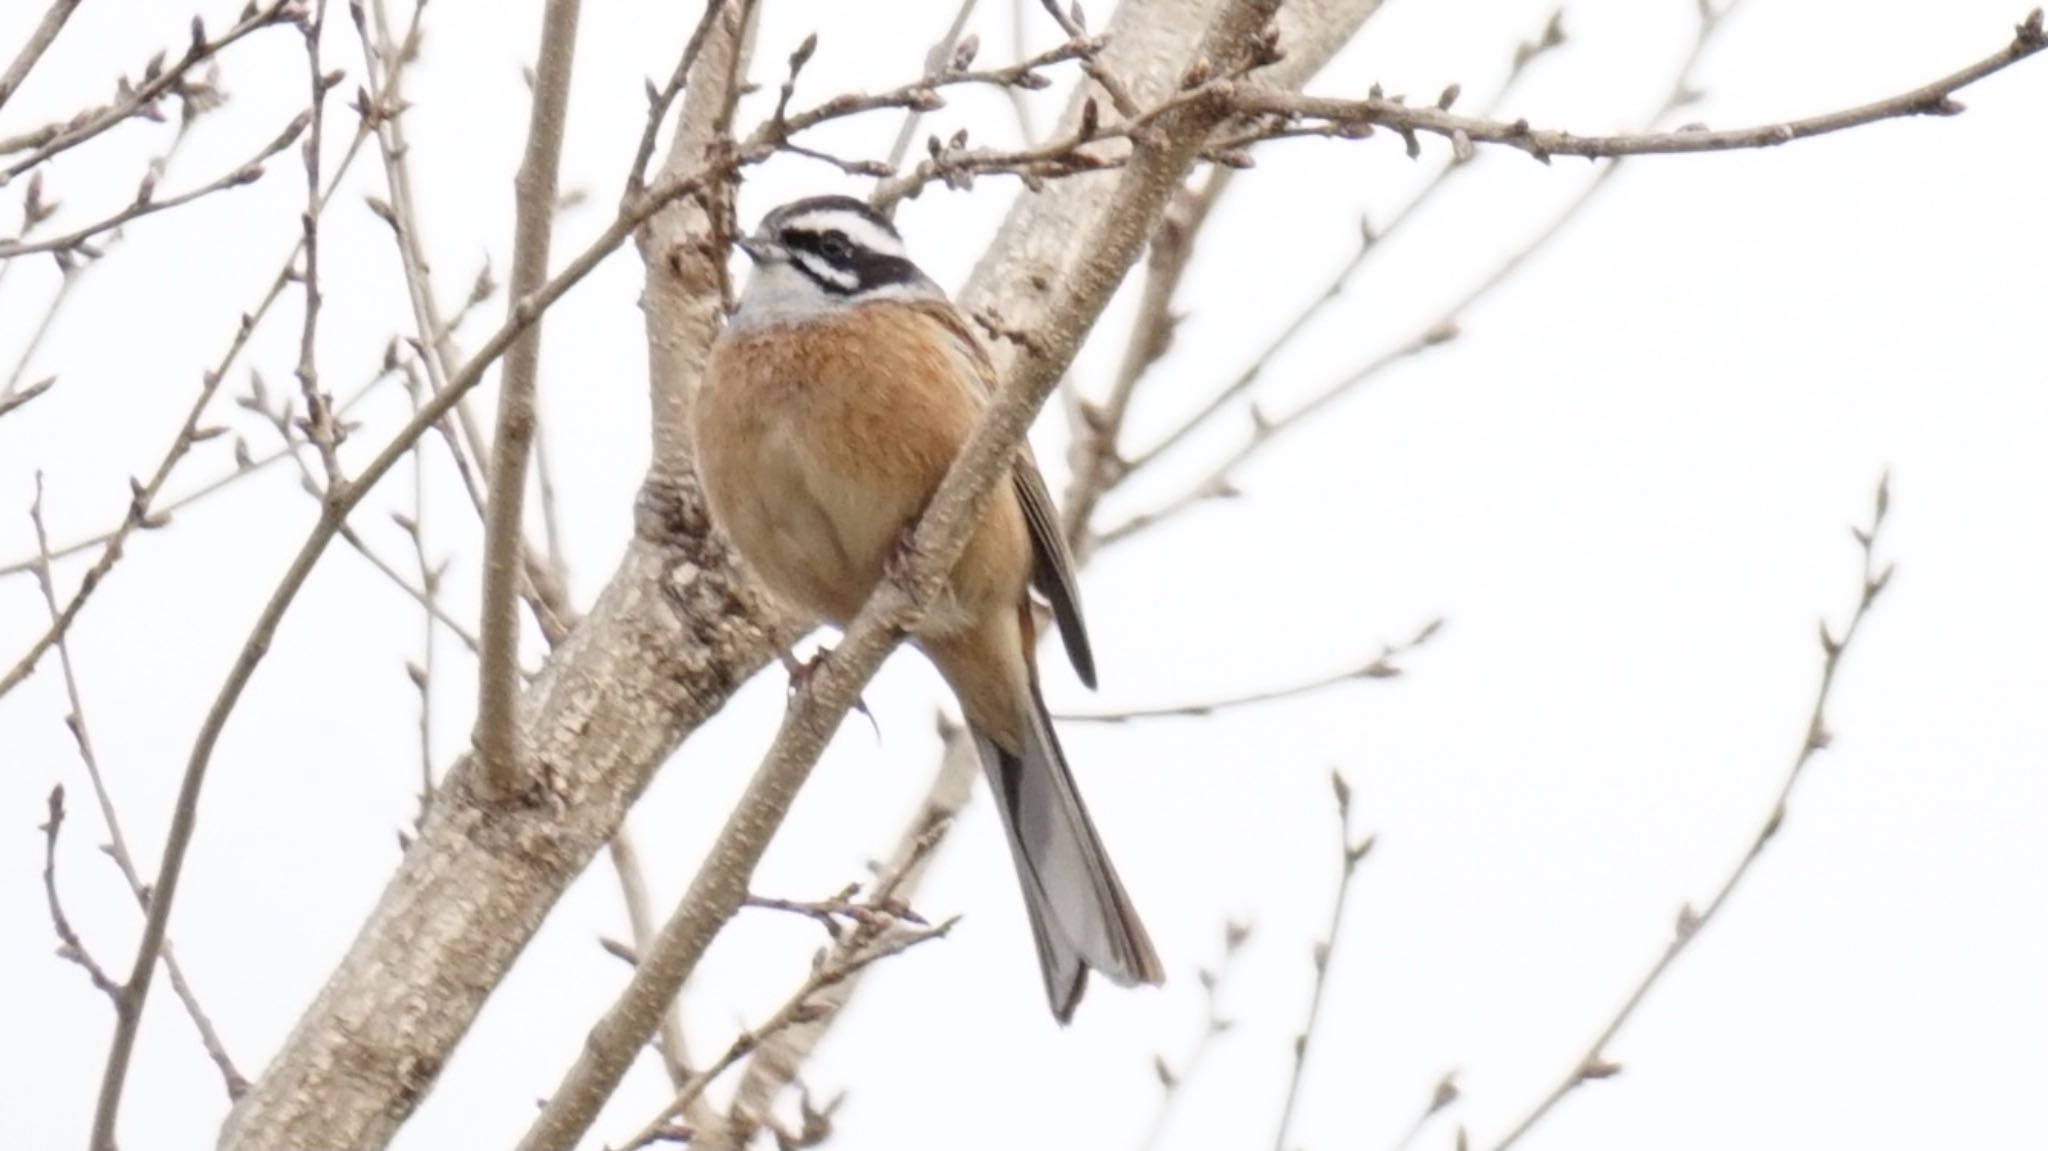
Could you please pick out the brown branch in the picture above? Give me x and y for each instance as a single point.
(11, 402)
(502, 774)
(141, 511)
(1370, 240)
(117, 843)
(1382, 666)
(1353, 117)
(1594, 1064)
(1174, 1077)
(147, 203)
(160, 79)
(1350, 855)
(70, 947)
(1441, 1097)
(39, 41)
(245, 465)
(883, 927)
(946, 53)
(675, 1053)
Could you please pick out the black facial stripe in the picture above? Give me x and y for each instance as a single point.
(868, 268)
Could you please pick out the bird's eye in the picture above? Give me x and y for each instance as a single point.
(835, 246)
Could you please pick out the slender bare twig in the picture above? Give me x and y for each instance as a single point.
(1350, 856)
(141, 511)
(675, 1053)
(1371, 239)
(39, 41)
(1174, 1077)
(319, 426)
(245, 465)
(117, 843)
(422, 673)
(69, 946)
(160, 79)
(1442, 1096)
(11, 402)
(1593, 1064)
(293, 436)
(947, 50)
(147, 203)
(659, 101)
(503, 775)
(37, 210)
(882, 927)
(1327, 116)
(1382, 666)
(1267, 428)
(1097, 466)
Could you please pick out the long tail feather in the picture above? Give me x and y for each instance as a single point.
(1080, 916)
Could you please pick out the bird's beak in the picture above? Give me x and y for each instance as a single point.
(756, 250)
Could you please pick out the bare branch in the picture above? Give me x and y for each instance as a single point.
(69, 946)
(161, 79)
(942, 55)
(501, 772)
(117, 843)
(39, 41)
(1356, 117)
(1174, 1077)
(1350, 855)
(9, 403)
(1382, 666)
(675, 1053)
(883, 927)
(1594, 1064)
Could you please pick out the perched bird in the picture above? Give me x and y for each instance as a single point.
(840, 392)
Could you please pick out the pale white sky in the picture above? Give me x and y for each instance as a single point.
(1626, 487)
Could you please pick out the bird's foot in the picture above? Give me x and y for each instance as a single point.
(803, 671)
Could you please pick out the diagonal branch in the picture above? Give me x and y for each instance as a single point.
(1593, 1064)
(39, 41)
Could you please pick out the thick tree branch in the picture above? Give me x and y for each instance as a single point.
(501, 772)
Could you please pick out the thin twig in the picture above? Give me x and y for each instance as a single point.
(659, 102)
(1338, 117)
(675, 1053)
(11, 402)
(245, 465)
(160, 79)
(879, 932)
(69, 946)
(1442, 1096)
(1174, 1077)
(1593, 1064)
(941, 54)
(1382, 666)
(1371, 239)
(1350, 856)
(117, 843)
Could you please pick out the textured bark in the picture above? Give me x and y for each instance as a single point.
(672, 635)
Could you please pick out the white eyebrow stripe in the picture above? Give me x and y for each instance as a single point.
(861, 230)
(821, 268)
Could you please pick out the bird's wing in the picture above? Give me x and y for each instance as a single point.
(1052, 571)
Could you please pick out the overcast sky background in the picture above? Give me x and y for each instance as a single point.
(1626, 488)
